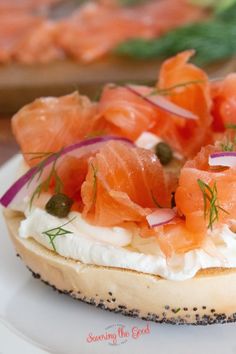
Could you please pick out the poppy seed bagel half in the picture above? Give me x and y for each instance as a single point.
(209, 297)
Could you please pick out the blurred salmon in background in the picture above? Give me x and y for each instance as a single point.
(25, 5)
(97, 28)
(28, 34)
(25, 33)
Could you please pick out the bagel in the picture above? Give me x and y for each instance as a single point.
(207, 298)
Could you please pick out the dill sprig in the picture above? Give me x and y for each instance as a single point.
(211, 204)
(228, 145)
(204, 37)
(154, 199)
(95, 133)
(45, 184)
(57, 231)
(131, 2)
(95, 171)
(230, 126)
(168, 91)
(38, 155)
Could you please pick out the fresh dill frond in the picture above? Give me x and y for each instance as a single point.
(45, 184)
(95, 171)
(231, 126)
(229, 142)
(95, 133)
(131, 2)
(155, 200)
(38, 155)
(57, 231)
(227, 145)
(168, 91)
(211, 204)
(204, 37)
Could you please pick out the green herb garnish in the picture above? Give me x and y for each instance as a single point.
(57, 231)
(38, 155)
(95, 171)
(95, 133)
(131, 2)
(213, 40)
(155, 200)
(228, 145)
(231, 126)
(211, 205)
(168, 91)
(44, 185)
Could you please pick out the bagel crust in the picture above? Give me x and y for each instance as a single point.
(209, 297)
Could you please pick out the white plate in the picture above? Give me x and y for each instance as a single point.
(59, 324)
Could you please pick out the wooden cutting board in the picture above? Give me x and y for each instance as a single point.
(20, 84)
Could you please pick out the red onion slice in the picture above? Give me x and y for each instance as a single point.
(161, 102)
(27, 183)
(226, 158)
(160, 217)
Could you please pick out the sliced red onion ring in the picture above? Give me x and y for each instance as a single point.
(160, 217)
(226, 158)
(162, 103)
(27, 183)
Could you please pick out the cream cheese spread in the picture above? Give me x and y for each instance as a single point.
(122, 247)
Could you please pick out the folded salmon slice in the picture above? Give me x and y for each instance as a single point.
(39, 45)
(127, 114)
(18, 6)
(188, 87)
(49, 124)
(224, 102)
(190, 198)
(123, 184)
(176, 238)
(13, 30)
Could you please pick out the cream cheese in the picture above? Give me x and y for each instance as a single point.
(122, 247)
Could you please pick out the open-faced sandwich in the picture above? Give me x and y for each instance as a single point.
(129, 203)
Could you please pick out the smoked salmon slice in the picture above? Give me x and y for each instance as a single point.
(123, 184)
(49, 124)
(13, 30)
(96, 29)
(17, 6)
(126, 113)
(224, 102)
(186, 136)
(196, 180)
(39, 45)
(176, 238)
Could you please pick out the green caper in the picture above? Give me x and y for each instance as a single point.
(59, 205)
(164, 153)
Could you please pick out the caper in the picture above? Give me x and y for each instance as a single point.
(59, 205)
(164, 153)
